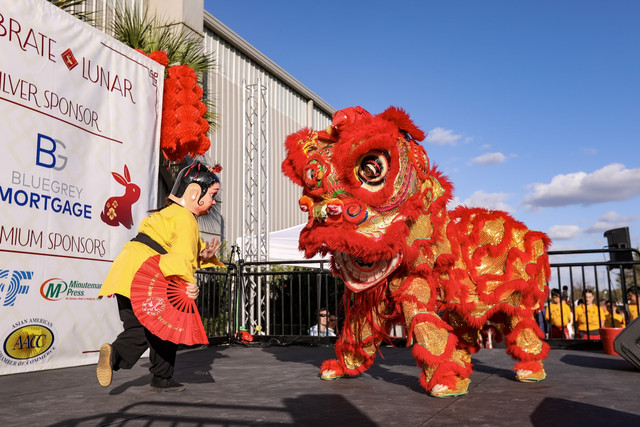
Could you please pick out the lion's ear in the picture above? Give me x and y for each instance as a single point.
(297, 146)
(403, 122)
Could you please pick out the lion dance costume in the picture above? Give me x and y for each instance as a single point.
(379, 207)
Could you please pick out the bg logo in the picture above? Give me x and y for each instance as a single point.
(53, 289)
(28, 342)
(10, 291)
(45, 153)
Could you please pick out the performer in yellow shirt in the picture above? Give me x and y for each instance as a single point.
(632, 296)
(589, 318)
(558, 314)
(614, 317)
(172, 232)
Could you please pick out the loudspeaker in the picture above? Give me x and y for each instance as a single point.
(619, 238)
(627, 343)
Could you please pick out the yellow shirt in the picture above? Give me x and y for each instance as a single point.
(633, 310)
(594, 320)
(553, 311)
(618, 321)
(176, 229)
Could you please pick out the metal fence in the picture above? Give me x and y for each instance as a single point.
(608, 281)
(283, 299)
(266, 298)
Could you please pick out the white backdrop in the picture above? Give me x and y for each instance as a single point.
(79, 137)
(283, 246)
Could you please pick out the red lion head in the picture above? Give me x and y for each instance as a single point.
(364, 180)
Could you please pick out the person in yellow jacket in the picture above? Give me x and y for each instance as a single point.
(632, 296)
(614, 316)
(172, 232)
(589, 317)
(558, 314)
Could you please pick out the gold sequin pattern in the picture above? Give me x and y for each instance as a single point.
(419, 288)
(431, 337)
(352, 361)
(461, 357)
(428, 372)
(528, 341)
(514, 299)
(480, 309)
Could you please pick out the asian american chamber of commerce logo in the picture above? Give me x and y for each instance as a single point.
(30, 341)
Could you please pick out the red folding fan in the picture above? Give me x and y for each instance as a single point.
(162, 306)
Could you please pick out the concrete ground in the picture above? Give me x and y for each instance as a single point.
(235, 385)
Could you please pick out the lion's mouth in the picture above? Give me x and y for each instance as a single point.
(359, 275)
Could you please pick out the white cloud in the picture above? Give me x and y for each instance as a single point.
(489, 159)
(563, 232)
(610, 220)
(453, 203)
(614, 217)
(612, 182)
(440, 136)
(495, 201)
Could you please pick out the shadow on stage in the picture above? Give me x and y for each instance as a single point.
(303, 410)
(562, 412)
(595, 362)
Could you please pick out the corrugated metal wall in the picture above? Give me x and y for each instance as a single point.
(291, 106)
(288, 113)
(102, 11)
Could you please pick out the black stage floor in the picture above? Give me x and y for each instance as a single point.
(234, 385)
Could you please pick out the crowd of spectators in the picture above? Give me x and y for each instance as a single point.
(583, 318)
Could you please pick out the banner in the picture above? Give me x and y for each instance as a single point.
(79, 132)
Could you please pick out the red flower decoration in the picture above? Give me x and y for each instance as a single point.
(160, 57)
(184, 129)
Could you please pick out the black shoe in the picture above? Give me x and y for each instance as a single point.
(104, 370)
(165, 384)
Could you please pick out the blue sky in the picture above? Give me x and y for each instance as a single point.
(532, 107)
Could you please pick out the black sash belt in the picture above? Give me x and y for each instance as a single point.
(145, 239)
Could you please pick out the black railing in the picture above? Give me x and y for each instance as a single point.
(609, 282)
(283, 299)
(215, 302)
(267, 298)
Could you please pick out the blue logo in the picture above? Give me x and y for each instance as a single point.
(10, 291)
(45, 154)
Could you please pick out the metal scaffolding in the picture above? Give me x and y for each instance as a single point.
(255, 195)
(255, 158)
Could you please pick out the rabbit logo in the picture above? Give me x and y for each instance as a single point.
(117, 210)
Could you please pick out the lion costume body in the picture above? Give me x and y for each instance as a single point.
(380, 209)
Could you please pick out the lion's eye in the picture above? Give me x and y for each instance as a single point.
(311, 175)
(373, 168)
(314, 173)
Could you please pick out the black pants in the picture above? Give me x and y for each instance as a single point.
(135, 339)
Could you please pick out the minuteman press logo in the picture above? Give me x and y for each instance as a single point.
(55, 289)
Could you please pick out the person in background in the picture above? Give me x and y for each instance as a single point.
(333, 323)
(541, 317)
(589, 317)
(614, 316)
(172, 232)
(321, 328)
(632, 298)
(558, 315)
